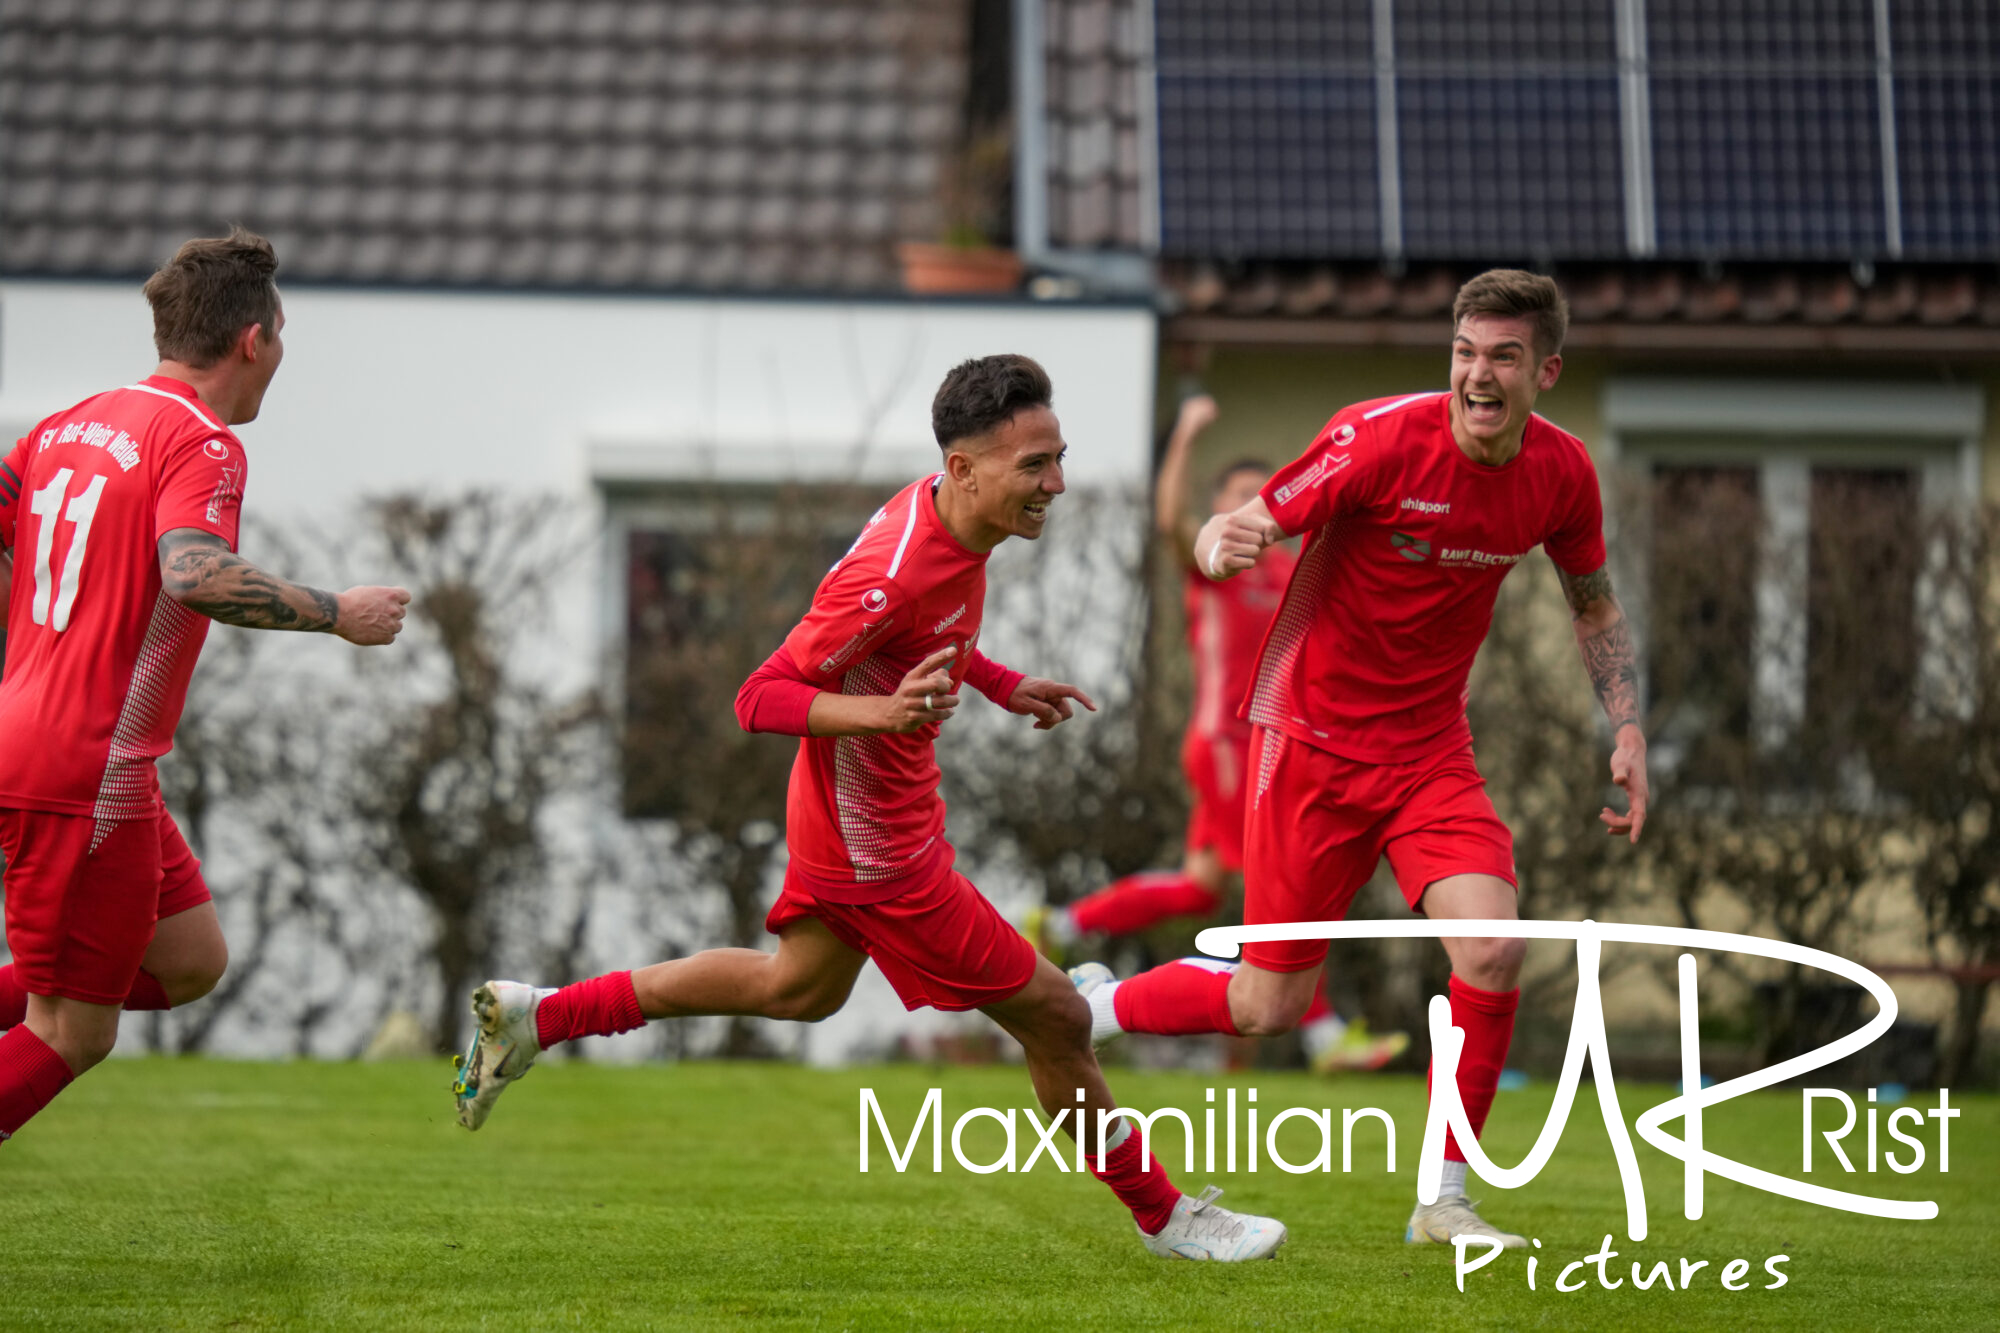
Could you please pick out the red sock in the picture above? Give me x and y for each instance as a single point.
(147, 993)
(1139, 1181)
(1487, 1018)
(31, 1074)
(1139, 901)
(594, 1008)
(1176, 999)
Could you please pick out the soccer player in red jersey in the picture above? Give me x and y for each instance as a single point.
(1416, 508)
(120, 515)
(1226, 623)
(866, 679)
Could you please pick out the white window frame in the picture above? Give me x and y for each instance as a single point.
(1783, 428)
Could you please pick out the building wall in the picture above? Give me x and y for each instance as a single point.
(1273, 399)
(385, 391)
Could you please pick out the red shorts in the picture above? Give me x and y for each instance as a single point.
(78, 920)
(1216, 769)
(942, 946)
(1318, 824)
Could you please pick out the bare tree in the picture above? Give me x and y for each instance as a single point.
(1101, 796)
(455, 790)
(1945, 761)
(711, 599)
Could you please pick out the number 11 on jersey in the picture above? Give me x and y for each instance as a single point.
(46, 504)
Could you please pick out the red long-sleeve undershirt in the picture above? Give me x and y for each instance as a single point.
(778, 696)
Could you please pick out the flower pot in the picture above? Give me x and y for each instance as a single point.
(957, 268)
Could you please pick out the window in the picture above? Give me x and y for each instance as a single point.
(1775, 562)
(708, 579)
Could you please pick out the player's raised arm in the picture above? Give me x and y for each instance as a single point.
(1170, 491)
(1228, 543)
(1605, 639)
(198, 570)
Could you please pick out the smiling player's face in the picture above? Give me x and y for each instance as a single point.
(1496, 376)
(1017, 473)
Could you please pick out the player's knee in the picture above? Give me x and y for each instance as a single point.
(85, 1047)
(202, 975)
(1060, 1021)
(193, 975)
(1492, 963)
(1266, 1015)
(1270, 1010)
(806, 1004)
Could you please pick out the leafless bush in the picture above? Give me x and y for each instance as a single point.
(329, 791)
(1100, 796)
(712, 598)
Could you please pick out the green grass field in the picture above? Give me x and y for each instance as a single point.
(200, 1194)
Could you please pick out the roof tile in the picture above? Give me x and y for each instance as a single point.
(484, 141)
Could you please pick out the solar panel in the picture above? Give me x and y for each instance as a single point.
(1267, 129)
(1947, 109)
(1766, 129)
(1765, 121)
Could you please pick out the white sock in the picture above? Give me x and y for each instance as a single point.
(1322, 1034)
(1452, 1184)
(1103, 1018)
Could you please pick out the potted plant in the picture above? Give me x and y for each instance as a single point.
(973, 201)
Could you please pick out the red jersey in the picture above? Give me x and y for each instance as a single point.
(1226, 623)
(1369, 655)
(98, 656)
(863, 818)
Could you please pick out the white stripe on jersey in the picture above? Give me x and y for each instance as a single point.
(1401, 402)
(910, 524)
(176, 398)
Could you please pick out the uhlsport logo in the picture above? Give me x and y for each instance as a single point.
(1413, 549)
(874, 599)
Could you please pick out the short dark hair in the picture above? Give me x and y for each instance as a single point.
(1256, 465)
(1512, 293)
(209, 292)
(986, 392)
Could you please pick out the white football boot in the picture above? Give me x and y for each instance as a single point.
(1453, 1215)
(1201, 1230)
(504, 1045)
(1095, 982)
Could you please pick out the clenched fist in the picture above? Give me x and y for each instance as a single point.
(371, 616)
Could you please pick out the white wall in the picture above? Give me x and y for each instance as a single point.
(384, 390)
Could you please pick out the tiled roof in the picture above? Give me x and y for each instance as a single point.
(1096, 56)
(1924, 307)
(733, 144)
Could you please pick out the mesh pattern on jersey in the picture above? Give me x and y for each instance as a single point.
(1270, 745)
(126, 790)
(858, 762)
(1271, 702)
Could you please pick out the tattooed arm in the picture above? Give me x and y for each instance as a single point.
(198, 570)
(1605, 640)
